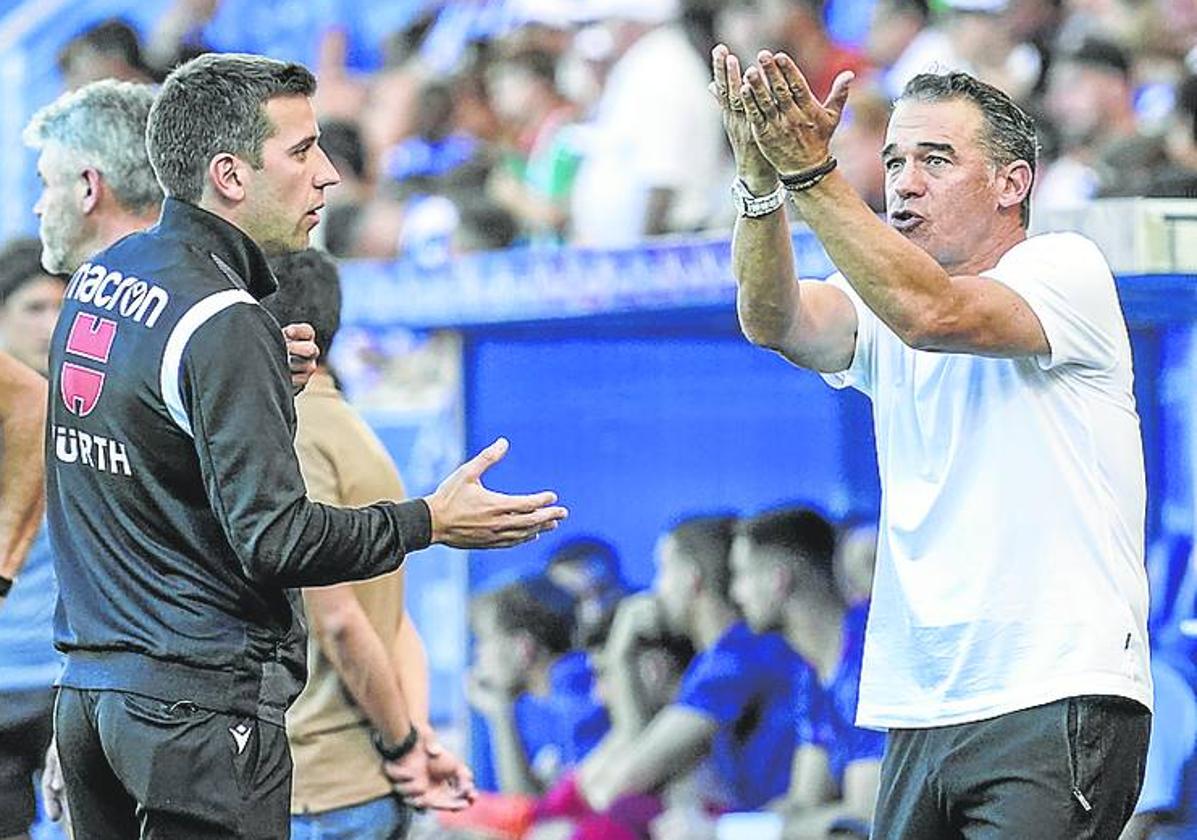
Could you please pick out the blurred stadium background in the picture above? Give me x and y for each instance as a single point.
(533, 226)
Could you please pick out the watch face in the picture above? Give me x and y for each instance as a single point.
(754, 206)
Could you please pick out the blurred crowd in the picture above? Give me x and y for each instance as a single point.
(730, 685)
(471, 126)
(721, 702)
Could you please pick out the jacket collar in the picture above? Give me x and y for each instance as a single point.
(238, 256)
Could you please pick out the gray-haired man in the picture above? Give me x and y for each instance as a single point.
(1006, 650)
(97, 184)
(175, 500)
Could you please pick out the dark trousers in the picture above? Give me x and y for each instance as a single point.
(25, 721)
(135, 767)
(1069, 770)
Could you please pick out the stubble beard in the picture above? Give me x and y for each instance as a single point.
(63, 248)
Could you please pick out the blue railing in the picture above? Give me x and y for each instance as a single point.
(673, 273)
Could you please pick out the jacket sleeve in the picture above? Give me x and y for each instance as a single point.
(235, 387)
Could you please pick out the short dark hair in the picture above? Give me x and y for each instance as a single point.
(309, 291)
(112, 37)
(342, 224)
(800, 535)
(598, 556)
(342, 142)
(1009, 133)
(1101, 53)
(535, 606)
(705, 542)
(20, 262)
(212, 104)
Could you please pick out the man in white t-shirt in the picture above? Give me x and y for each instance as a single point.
(1006, 650)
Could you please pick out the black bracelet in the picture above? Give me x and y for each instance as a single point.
(807, 178)
(394, 752)
(5, 585)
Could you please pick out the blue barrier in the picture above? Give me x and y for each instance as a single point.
(553, 283)
(545, 284)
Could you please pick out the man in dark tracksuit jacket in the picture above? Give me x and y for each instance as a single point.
(176, 495)
(179, 517)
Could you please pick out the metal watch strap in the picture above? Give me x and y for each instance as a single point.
(394, 752)
(756, 206)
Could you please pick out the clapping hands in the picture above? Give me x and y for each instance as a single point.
(773, 121)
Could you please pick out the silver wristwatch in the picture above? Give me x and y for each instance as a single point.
(755, 206)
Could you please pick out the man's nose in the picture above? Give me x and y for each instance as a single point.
(326, 175)
(908, 182)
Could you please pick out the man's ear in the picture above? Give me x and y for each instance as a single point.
(526, 646)
(226, 177)
(92, 186)
(1014, 183)
(784, 578)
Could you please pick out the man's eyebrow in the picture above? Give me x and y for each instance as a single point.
(304, 143)
(927, 146)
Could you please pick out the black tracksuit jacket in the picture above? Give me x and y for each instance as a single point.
(176, 507)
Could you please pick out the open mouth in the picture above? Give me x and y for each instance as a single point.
(905, 220)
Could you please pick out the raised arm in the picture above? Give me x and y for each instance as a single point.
(810, 323)
(22, 473)
(637, 622)
(917, 298)
(674, 741)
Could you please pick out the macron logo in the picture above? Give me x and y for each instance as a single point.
(240, 733)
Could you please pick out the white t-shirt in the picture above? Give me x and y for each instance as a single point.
(654, 127)
(1010, 563)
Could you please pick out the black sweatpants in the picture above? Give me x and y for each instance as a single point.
(135, 767)
(1069, 770)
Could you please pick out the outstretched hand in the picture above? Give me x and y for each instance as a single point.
(466, 514)
(791, 128)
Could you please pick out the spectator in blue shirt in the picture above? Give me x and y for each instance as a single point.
(739, 699)
(533, 691)
(783, 564)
